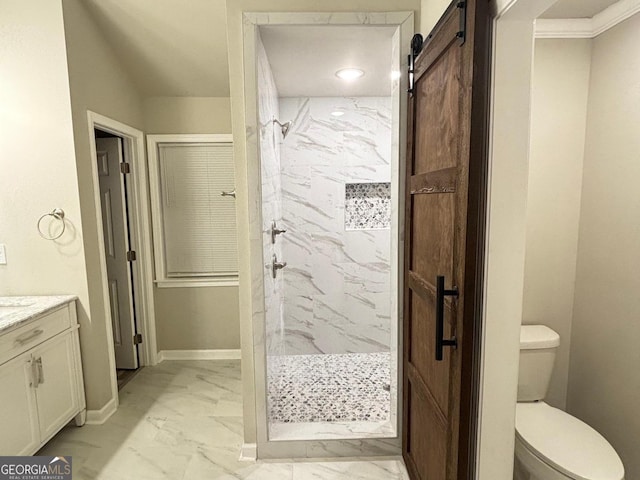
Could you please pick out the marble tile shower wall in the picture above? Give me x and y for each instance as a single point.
(270, 139)
(337, 283)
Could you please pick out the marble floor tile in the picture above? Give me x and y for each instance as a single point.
(139, 461)
(350, 470)
(229, 405)
(223, 464)
(193, 433)
(160, 433)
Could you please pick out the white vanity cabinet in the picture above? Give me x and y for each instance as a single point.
(20, 434)
(41, 385)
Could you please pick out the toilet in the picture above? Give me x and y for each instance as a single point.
(550, 443)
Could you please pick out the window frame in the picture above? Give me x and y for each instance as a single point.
(162, 280)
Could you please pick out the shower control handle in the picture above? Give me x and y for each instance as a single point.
(275, 231)
(275, 265)
(441, 342)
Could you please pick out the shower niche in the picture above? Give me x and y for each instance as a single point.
(326, 175)
(367, 206)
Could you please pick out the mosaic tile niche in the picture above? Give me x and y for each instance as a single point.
(367, 206)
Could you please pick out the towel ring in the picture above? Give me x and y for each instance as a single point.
(56, 213)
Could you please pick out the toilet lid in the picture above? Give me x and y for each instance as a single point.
(567, 444)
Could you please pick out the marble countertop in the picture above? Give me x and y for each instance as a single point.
(15, 311)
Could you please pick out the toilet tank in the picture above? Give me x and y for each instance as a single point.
(538, 345)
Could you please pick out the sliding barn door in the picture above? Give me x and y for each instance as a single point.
(446, 178)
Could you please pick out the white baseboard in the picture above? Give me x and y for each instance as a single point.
(248, 452)
(198, 355)
(98, 417)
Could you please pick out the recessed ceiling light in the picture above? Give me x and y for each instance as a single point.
(395, 75)
(337, 113)
(349, 73)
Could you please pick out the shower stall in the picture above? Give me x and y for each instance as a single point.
(328, 156)
(328, 311)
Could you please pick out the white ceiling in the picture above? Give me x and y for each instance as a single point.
(577, 8)
(170, 47)
(304, 60)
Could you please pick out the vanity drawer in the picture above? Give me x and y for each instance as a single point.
(34, 333)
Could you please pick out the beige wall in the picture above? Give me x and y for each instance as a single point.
(187, 115)
(560, 78)
(244, 210)
(430, 13)
(98, 83)
(38, 159)
(203, 317)
(197, 318)
(604, 378)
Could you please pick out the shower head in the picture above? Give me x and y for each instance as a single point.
(284, 127)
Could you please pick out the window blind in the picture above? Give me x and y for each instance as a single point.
(199, 224)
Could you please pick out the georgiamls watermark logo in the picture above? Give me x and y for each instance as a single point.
(35, 468)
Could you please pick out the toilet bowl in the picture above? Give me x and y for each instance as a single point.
(553, 445)
(550, 443)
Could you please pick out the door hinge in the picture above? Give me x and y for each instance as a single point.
(462, 32)
(131, 256)
(137, 339)
(125, 168)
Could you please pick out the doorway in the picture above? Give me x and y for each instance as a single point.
(319, 311)
(126, 145)
(328, 217)
(113, 170)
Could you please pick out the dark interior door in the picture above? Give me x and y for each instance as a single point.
(116, 242)
(444, 218)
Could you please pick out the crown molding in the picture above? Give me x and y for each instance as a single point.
(564, 28)
(615, 14)
(587, 27)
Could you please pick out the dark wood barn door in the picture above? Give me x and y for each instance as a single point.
(445, 216)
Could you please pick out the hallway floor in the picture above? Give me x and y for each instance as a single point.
(182, 420)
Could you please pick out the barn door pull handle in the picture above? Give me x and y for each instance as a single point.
(441, 292)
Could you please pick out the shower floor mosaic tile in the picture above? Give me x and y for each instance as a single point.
(350, 387)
